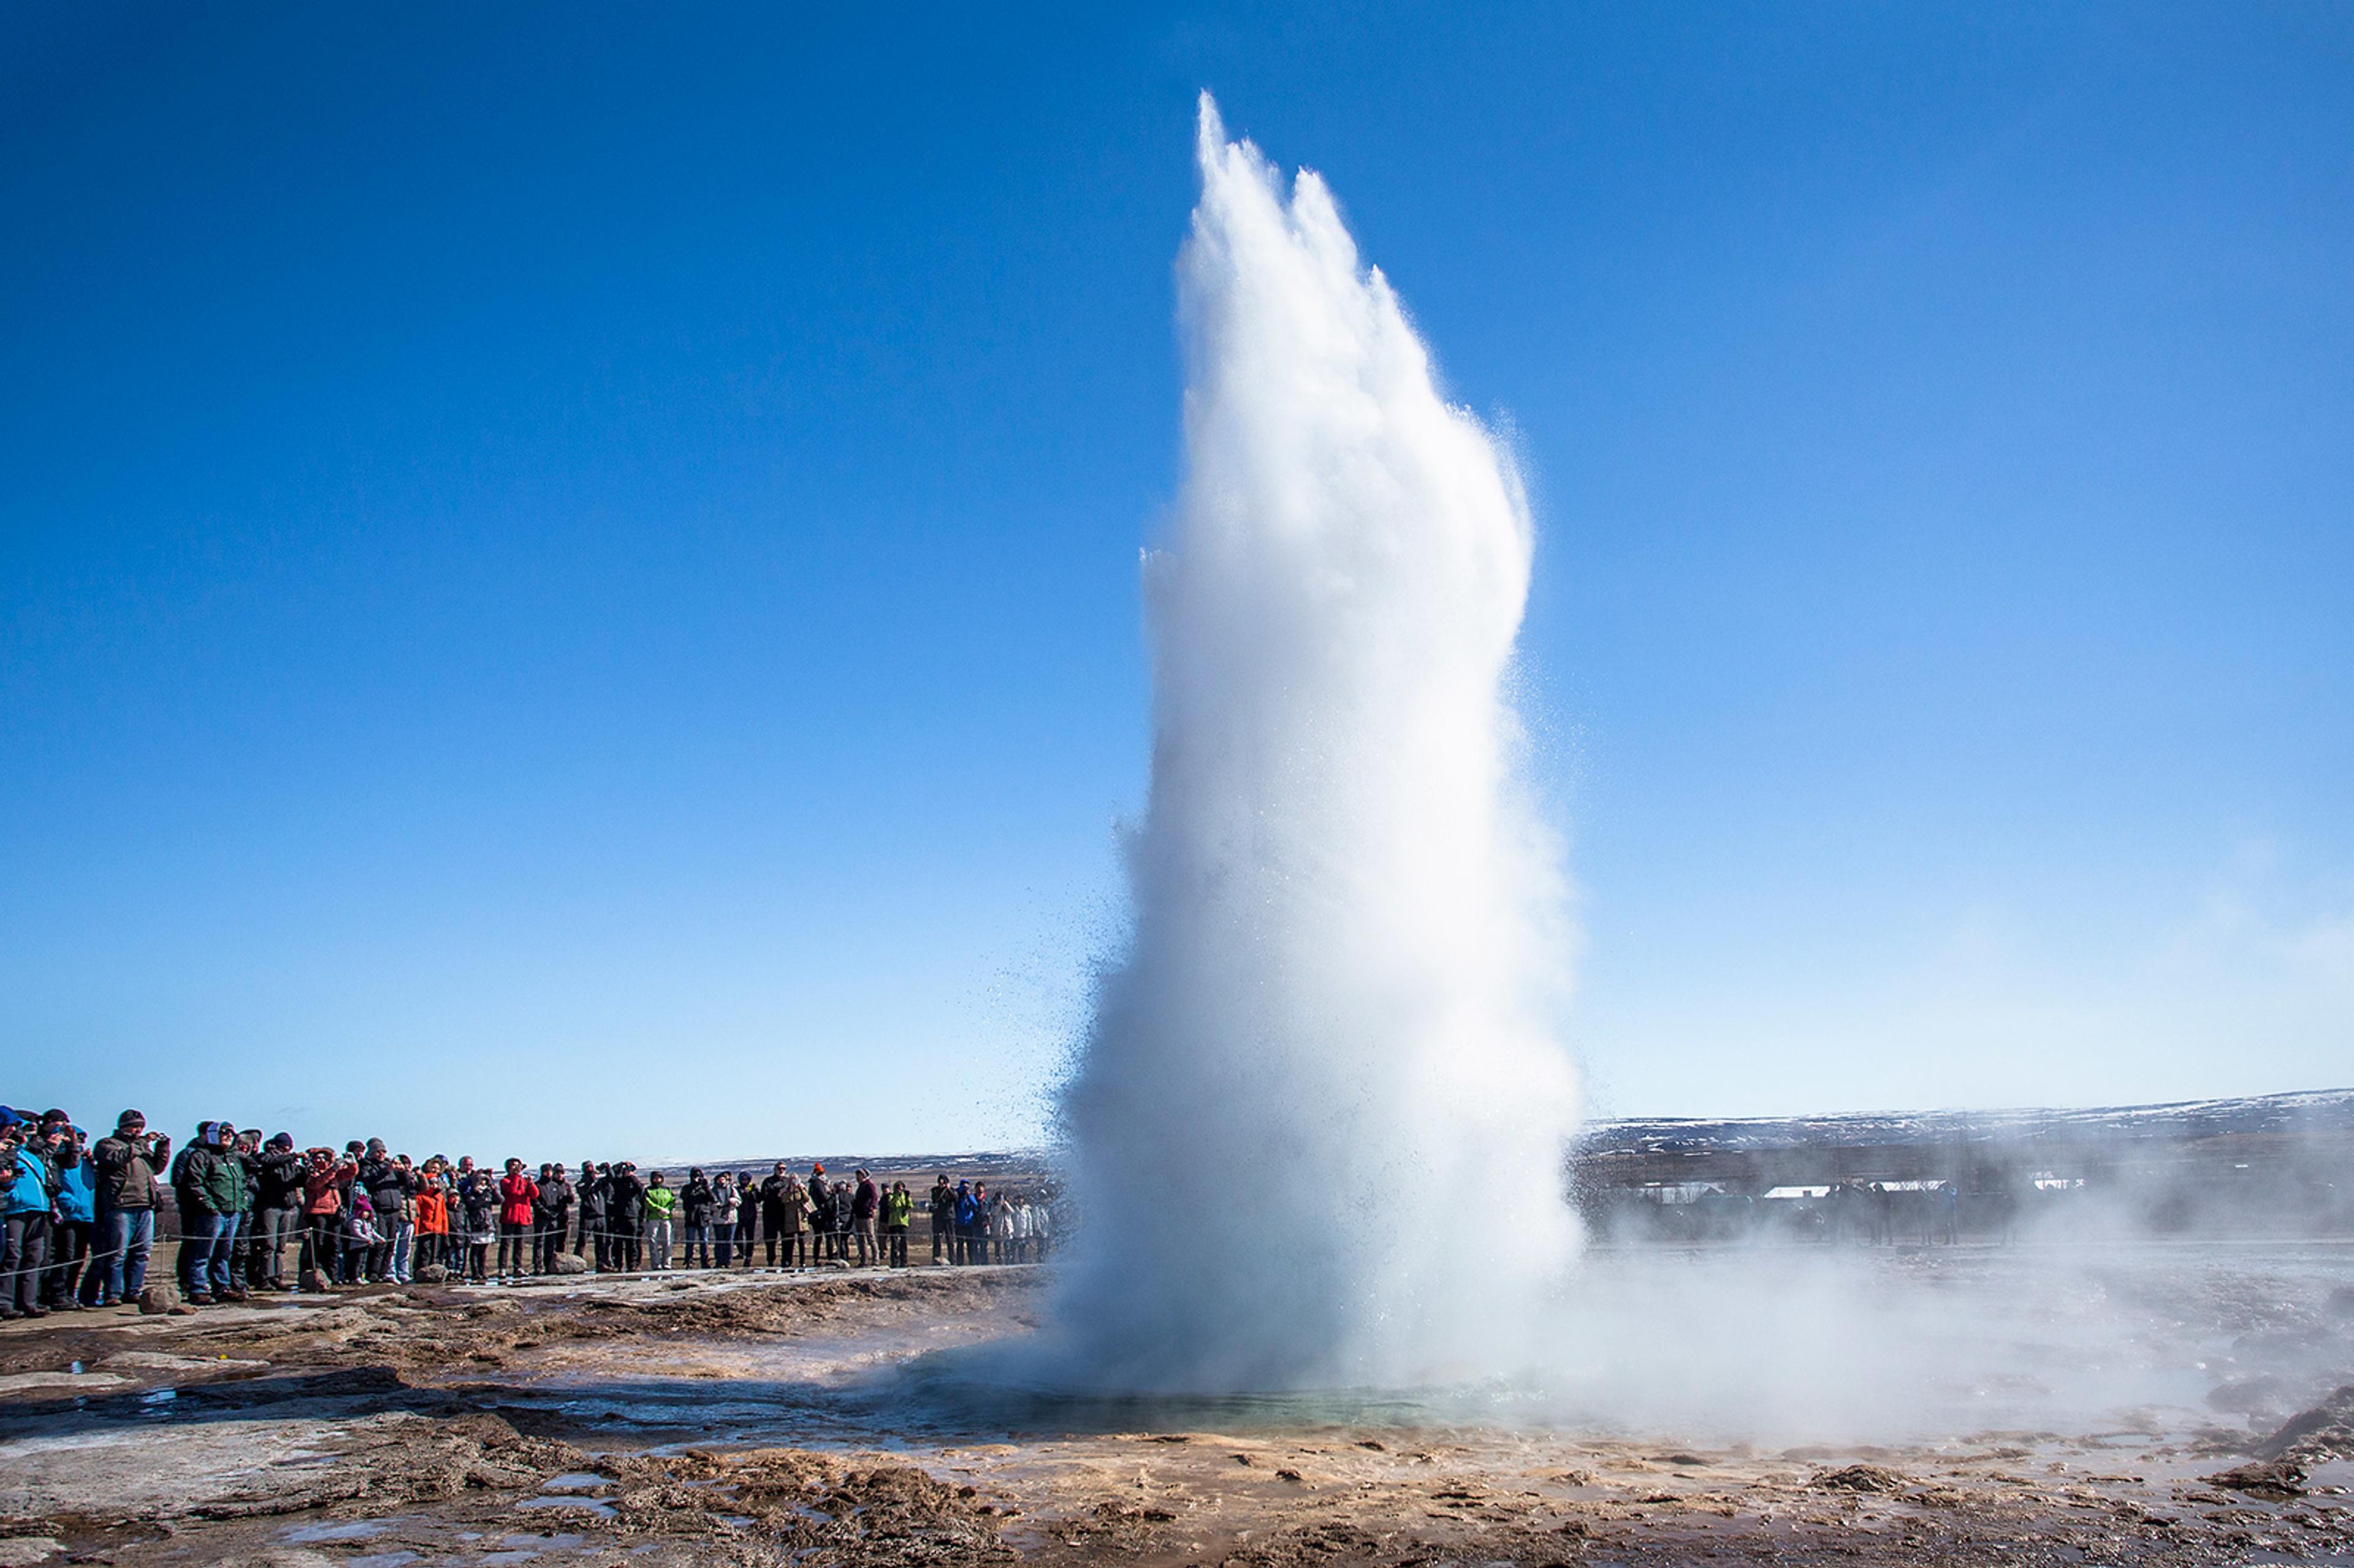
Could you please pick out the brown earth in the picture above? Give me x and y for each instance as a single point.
(684, 1421)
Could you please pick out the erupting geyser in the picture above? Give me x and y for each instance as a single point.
(1317, 1128)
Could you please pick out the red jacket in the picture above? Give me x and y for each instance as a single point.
(322, 1187)
(520, 1193)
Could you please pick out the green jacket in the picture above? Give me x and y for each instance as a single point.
(211, 1180)
(896, 1209)
(659, 1201)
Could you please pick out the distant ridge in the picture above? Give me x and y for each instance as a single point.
(2305, 1111)
(984, 1164)
(2312, 1111)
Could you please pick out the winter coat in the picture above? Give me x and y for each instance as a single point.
(278, 1179)
(897, 1209)
(943, 1206)
(224, 1179)
(592, 1202)
(77, 1198)
(208, 1179)
(517, 1194)
(126, 1178)
(479, 1202)
(432, 1214)
(625, 1202)
(723, 1202)
(27, 1176)
(772, 1200)
(660, 1202)
(388, 1183)
(865, 1200)
(186, 1181)
(695, 1201)
(323, 1190)
(555, 1200)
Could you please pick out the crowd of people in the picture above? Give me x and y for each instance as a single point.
(81, 1216)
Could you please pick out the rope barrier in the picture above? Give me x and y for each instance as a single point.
(301, 1239)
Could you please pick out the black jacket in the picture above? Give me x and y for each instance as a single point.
(278, 1179)
(386, 1183)
(625, 1201)
(480, 1198)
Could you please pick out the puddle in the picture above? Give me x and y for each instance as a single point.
(589, 1505)
(311, 1534)
(576, 1481)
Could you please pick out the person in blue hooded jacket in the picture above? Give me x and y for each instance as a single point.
(28, 1180)
(968, 1220)
(71, 1232)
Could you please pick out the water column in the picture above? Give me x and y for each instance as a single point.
(1315, 1133)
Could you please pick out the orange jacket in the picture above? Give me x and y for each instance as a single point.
(432, 1214)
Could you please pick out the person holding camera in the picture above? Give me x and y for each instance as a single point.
(552, 1215)
(71, 1281)
(27, 1197)
(625, 1212)
(209, 1181)
(278, 1173)
(130, 1165)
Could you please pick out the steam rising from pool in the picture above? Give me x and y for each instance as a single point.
(1316, 1130)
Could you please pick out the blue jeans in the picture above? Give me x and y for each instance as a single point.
(126, 1236)
(204, 1254)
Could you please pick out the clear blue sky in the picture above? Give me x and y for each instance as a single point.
(568, 576)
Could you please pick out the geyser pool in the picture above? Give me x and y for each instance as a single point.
(1334, 1021)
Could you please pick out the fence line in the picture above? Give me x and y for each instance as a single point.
(826, 1247)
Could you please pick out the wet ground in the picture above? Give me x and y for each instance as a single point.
(832, 1419)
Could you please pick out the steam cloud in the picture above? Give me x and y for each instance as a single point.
(1334, 1023)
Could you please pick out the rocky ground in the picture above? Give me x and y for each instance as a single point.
(692, 1421)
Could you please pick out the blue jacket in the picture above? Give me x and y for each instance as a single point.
(76, 1200)
(29, 1188)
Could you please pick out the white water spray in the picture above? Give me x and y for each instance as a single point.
(1316, 1130)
